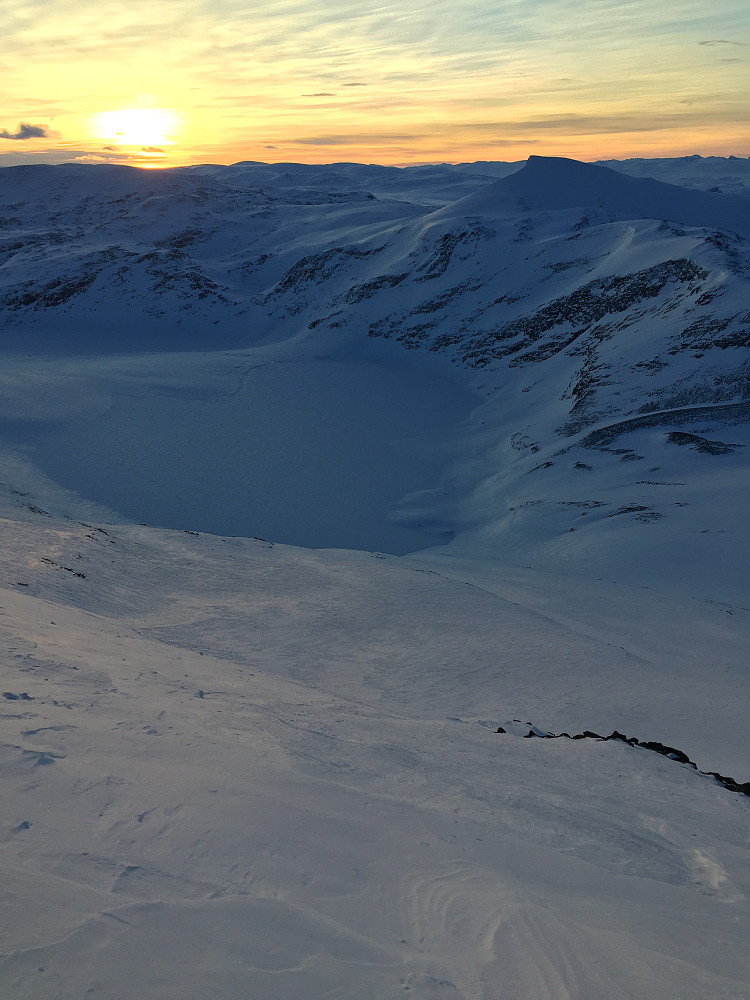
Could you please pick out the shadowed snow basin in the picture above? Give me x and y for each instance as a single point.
(303, 452)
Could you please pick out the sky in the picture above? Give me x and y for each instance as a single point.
(172, 82)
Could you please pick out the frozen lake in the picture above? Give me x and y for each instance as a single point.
(307, 452)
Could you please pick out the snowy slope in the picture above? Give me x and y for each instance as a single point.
(500, 413)
(727, 174)
(275, 772)
(600, 321)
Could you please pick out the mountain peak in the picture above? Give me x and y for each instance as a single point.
(560, 182)
(551, 183)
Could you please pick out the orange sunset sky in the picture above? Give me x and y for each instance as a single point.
(171, 82)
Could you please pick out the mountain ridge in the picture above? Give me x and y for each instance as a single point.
(554, 183)
(584, 330)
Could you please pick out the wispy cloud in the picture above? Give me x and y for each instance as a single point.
(385, 74)
(146, 155)
(354, 138)
(25, 131)
(92, 158)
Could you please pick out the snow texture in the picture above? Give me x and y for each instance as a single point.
(421, 454)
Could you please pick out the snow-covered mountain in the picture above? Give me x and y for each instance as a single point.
(601, 321)
(435, 463)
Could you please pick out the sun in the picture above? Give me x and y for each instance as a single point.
(143, 127)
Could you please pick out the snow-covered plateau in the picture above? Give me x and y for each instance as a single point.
(331, 497)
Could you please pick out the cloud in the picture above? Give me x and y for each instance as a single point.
(91, 158)
(354, 138)
(329, 141)
(22, 154)
(354, 85)
(146, 154)
(25, 131)
(721, 41)
(324, 94)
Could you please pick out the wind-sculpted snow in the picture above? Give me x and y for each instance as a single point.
(232, 768)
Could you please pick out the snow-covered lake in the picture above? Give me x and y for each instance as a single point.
(308, 452)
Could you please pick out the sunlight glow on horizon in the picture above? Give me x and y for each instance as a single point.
(466, 80)
(138, 136)
(135, 126)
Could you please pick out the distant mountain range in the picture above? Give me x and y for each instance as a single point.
(603, 319)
